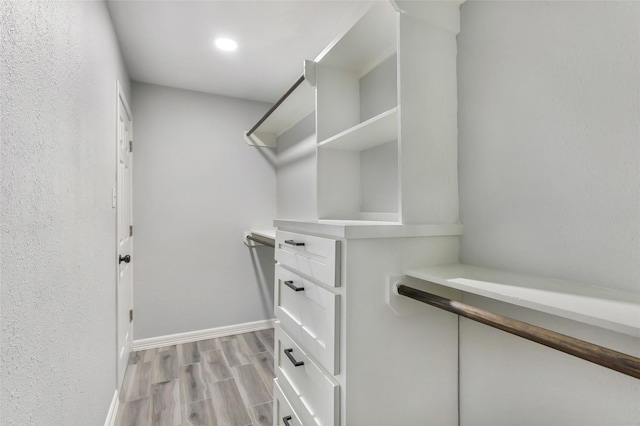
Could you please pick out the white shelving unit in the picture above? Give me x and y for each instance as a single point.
(357, 122)
(385, 101)
(386, 119)
(386, 182)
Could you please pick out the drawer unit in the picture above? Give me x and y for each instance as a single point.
(283, 412)
(312, 392)
(310, 314)
(316, 257)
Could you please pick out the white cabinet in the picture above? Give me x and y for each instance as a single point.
(310, 314)
(283, 412)
(315, 257)
(386, 181)
(392, 369)
(313, 392)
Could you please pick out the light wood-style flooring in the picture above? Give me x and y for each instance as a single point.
(219, 382)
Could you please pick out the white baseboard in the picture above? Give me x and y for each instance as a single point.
(194, 336)
(113, 410)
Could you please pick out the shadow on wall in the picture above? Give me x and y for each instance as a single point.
(269, 154)
(262, 259)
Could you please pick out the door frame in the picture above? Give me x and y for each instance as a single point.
(121, 98)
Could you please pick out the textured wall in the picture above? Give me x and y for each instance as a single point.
(59, 65)
(197, 186)
(549, 130)
(549, 165)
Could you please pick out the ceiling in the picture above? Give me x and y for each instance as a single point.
(170, 43)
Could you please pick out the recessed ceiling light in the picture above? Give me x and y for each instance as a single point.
(226, 44)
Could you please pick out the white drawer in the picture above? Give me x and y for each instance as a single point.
(311, 392)
(310, 314)
(317, 257)
(283, 412)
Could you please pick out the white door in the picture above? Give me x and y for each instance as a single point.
(124, 235)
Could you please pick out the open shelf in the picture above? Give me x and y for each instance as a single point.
(607, 308)
(376, 131)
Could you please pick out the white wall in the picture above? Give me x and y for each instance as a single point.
(549, 110)
(58, 70)
(296, 172)
(549, 166)
(197, 186)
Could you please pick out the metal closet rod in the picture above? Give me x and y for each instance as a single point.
(277, 104)
(261, 240)
(614, 360)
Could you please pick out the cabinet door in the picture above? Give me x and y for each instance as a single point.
(316, 257)
(283, 412)
(313, 393)
(310, 314)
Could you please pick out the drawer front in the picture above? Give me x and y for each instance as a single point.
(313, 393)
(317, 257)
(283, 412)
(310, 314)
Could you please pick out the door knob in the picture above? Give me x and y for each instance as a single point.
(125, 259)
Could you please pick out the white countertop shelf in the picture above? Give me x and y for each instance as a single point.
(607, 308)
(267, 234)
(355, 229)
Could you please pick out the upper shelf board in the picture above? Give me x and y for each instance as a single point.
(371, 40)
(607, 308)
(357, 229)
(296, 106)
(376, 131)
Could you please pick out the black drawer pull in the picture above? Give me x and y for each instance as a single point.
(292, 286)
(295, 363)
(285, 420)
(294, 243)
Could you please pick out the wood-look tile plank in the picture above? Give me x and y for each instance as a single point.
(175, 385)
(199, 413)
(251, 386)
(268, 332)
(165, 365)
(136, 383)
(134, 413)
(208, 345)
(228, 404)
(166, 407)
(188, 353)
(262, 415)
(134, 357)
(263, 363)
(141, 356)
(194, 387)
(252, 343)
(267, 337)
(235, 352)
(216, 366)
